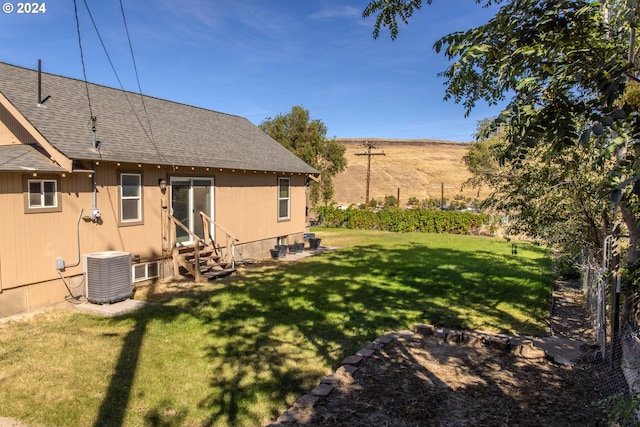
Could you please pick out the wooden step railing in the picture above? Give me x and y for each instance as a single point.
(195, 264)
(230, 239)
(194, 269)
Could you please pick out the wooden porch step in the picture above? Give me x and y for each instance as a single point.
(188, 248)
(203, 259)
(215, 266)
(192, 250)
(214, 274)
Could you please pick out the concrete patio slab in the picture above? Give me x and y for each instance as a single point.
(307, 253)
(9, 422)
(110, 310)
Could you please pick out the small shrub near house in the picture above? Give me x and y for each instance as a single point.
(412, 220)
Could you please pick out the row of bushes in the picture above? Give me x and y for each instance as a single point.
(426, 221)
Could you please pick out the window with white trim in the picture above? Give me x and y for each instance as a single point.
(43, 193)
(130, 197)
(144, 271)
(284, 198)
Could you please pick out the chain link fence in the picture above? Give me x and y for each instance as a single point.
(616, 363)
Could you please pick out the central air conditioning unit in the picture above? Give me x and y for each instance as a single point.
(108, 276)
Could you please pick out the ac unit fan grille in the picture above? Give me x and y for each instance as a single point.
(108, 276)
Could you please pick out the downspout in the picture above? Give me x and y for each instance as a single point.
(61, 265)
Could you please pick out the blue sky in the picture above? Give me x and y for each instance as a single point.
(258, 58)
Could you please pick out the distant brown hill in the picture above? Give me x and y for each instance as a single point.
(417, 167)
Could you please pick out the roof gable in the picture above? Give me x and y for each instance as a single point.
(180, 135)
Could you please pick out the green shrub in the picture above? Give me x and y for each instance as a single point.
(404, 221)
(565, 266)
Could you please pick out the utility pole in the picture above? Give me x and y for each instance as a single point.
(442, 187)
(370, 146)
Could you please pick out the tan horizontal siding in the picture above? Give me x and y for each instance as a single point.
(245, 205)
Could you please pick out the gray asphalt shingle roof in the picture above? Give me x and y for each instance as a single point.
(25, 158)
(180, 135)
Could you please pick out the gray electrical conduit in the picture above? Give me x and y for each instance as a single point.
(65, 265)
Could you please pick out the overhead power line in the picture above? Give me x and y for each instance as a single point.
(149, 133)
(135, 69)
(84, 68)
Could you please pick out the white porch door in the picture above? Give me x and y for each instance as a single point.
(189, 196)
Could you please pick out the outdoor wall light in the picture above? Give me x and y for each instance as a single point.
(162, 183)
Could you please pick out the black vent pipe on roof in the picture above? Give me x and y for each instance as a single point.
(40, 100)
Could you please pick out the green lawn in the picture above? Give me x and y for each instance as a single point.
(241, 350)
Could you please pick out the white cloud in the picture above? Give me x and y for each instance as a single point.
(341, 12)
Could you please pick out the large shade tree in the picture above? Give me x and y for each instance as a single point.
(307, 138)
(557, 195)
(567, 70)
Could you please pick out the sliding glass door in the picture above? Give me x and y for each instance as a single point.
(189, 196)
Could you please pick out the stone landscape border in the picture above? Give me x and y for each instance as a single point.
(528, 348)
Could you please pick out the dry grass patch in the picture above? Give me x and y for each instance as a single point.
(417, 168)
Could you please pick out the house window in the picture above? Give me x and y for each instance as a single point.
(284, 198)
(41, 195)
(130, 198)
(144, 271)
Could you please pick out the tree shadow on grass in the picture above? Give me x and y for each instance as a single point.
(275, 332)
(114, 406)
(333, 305)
